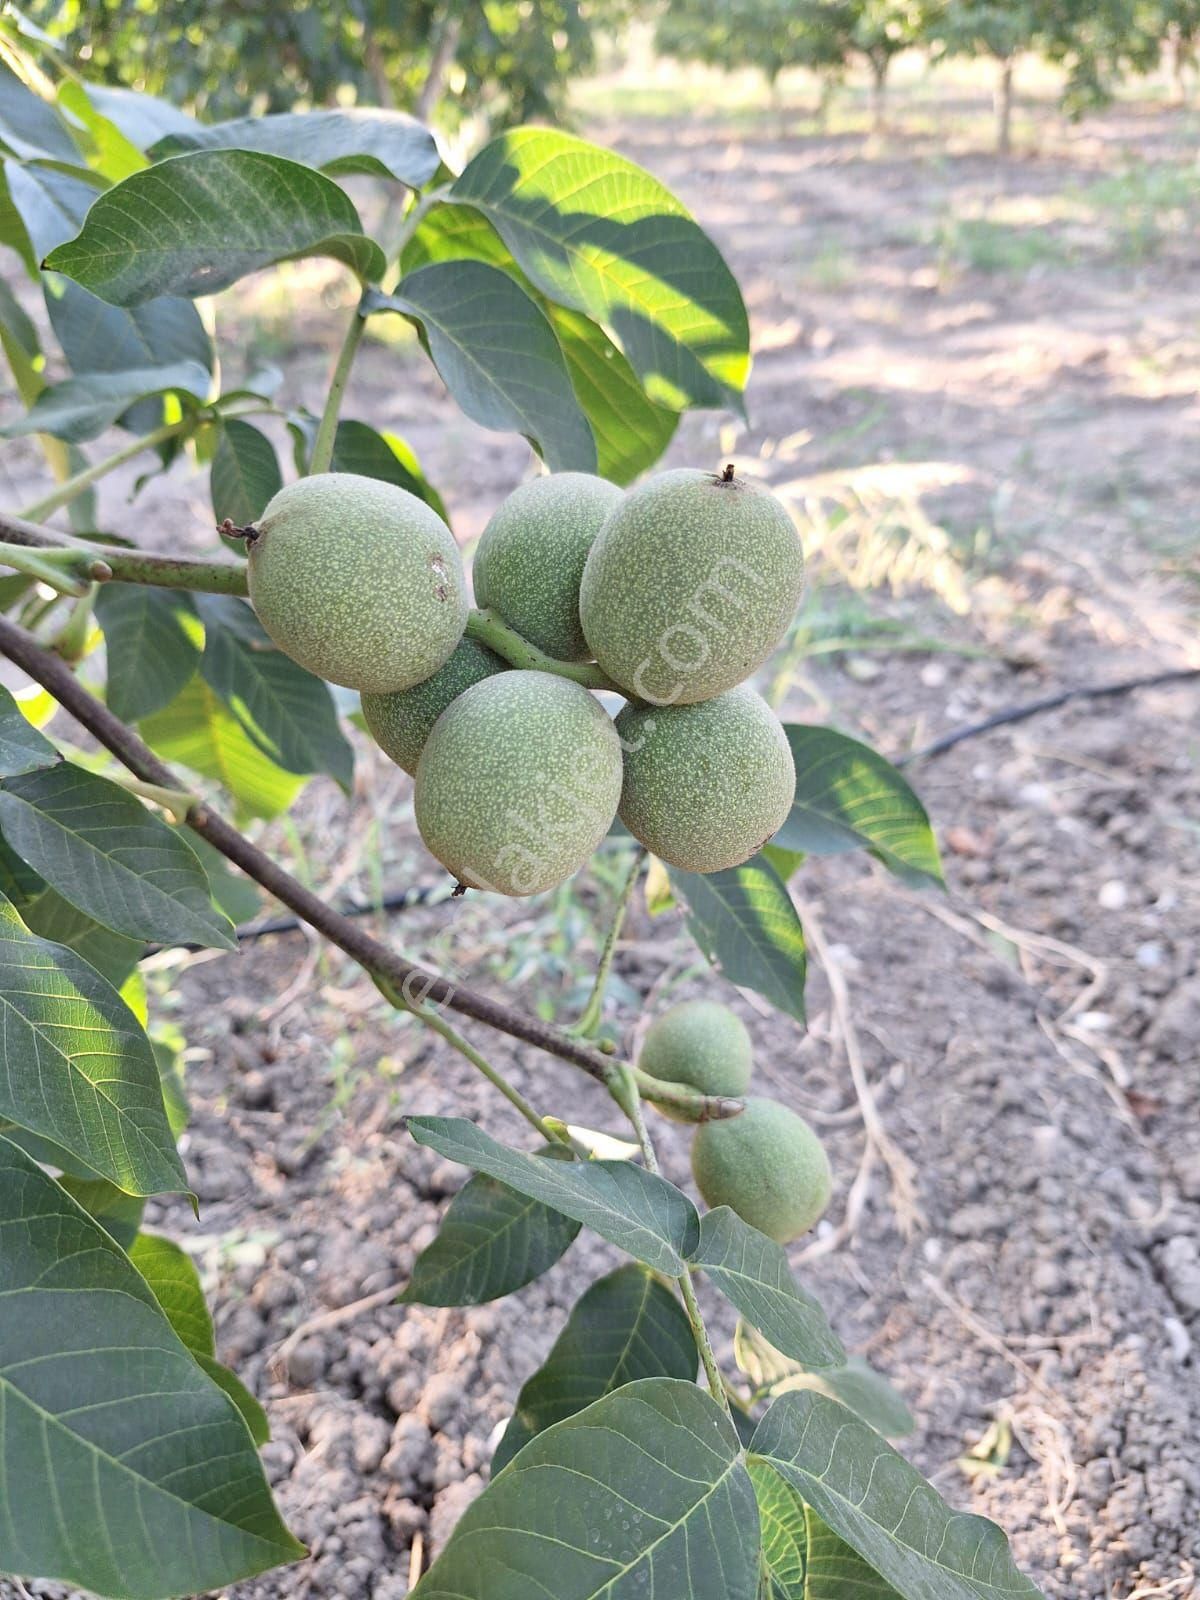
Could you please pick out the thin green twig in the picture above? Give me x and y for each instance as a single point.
(431, 1018)
(322, 450)
(487, 628)
(70, 487)
(589, 1019)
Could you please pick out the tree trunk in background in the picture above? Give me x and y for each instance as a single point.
(879, 72)
(1004, 104)
(1177, 49)
(445, 46)
(373, 59)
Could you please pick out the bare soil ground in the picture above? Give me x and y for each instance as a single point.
(1017, 344)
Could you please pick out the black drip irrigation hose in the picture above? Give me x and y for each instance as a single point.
(1050, 702)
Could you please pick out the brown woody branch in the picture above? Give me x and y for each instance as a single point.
(374, 957)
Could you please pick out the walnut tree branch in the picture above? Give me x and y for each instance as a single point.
(418, 985)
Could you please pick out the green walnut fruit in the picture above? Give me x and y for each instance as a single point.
(705, 785)
(359, 581)
(400, 722)
(701, 1044)
(530, 559)
(690, 585)
(767, 1165)
(518, 782)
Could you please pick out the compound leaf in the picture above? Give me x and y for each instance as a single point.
(79, 1070)
(123, 1468)
(194, 224)
(627, 1326)
(598, 234)
(498, 356)
(632, 1208)
(870, 1496)
(150, 637)
(107, 854)
(381, 144)
(22, 747)
(286, 711)
(752, 1272)
(642, 1493)
(849, 798)
(492, 1241)
(744, 921)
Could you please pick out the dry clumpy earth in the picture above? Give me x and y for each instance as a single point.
(1034, 1287)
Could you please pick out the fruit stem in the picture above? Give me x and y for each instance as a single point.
(322, 450)
(589, 1019)
(44, 554)
(487, 628)
(429, 1016)
(62, 569)
(622, 1085)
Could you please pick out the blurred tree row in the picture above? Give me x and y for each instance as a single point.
(1095, 41)
(512, 59)
(222, 58)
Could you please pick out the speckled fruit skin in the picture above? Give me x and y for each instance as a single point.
(400, 723)
(705, 785)
(518, 782)
(530, 559)
(359, 581)
(767, 1165)
(690, 585)
(702, 1044)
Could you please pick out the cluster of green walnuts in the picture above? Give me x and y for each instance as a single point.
(766, 1163)
(677, 590)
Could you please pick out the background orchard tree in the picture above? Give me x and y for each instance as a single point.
(507, 59)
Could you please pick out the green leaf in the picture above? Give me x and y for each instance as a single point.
(643, 1493)
(381, 144)
(126, 1470)
(357, 447)
(744, 921)
(784, 1533)
(81, 408)
(196, 223)
(627, 1326)
(108, 151)
(120, 1214)
(22, 747)
(856, 1384)
(630, 431)
(492, 1241)
(245, 473)
(142, 118)
(29, 126)
(882, 1507)
(849, 798)
(151, 643)
(752, 1272)
(786, 862)
(78, 1068)
(19, 341)
(175, 1283)
(12, 230)
(197, 731)
(252, 1412)
(108, 855)
(835, 1571)
(637, 1210)
(96, 337)
(287, 712)
(598, 234)
(168, 1058)
(497, 354)
(113, 955)
(237, 896)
